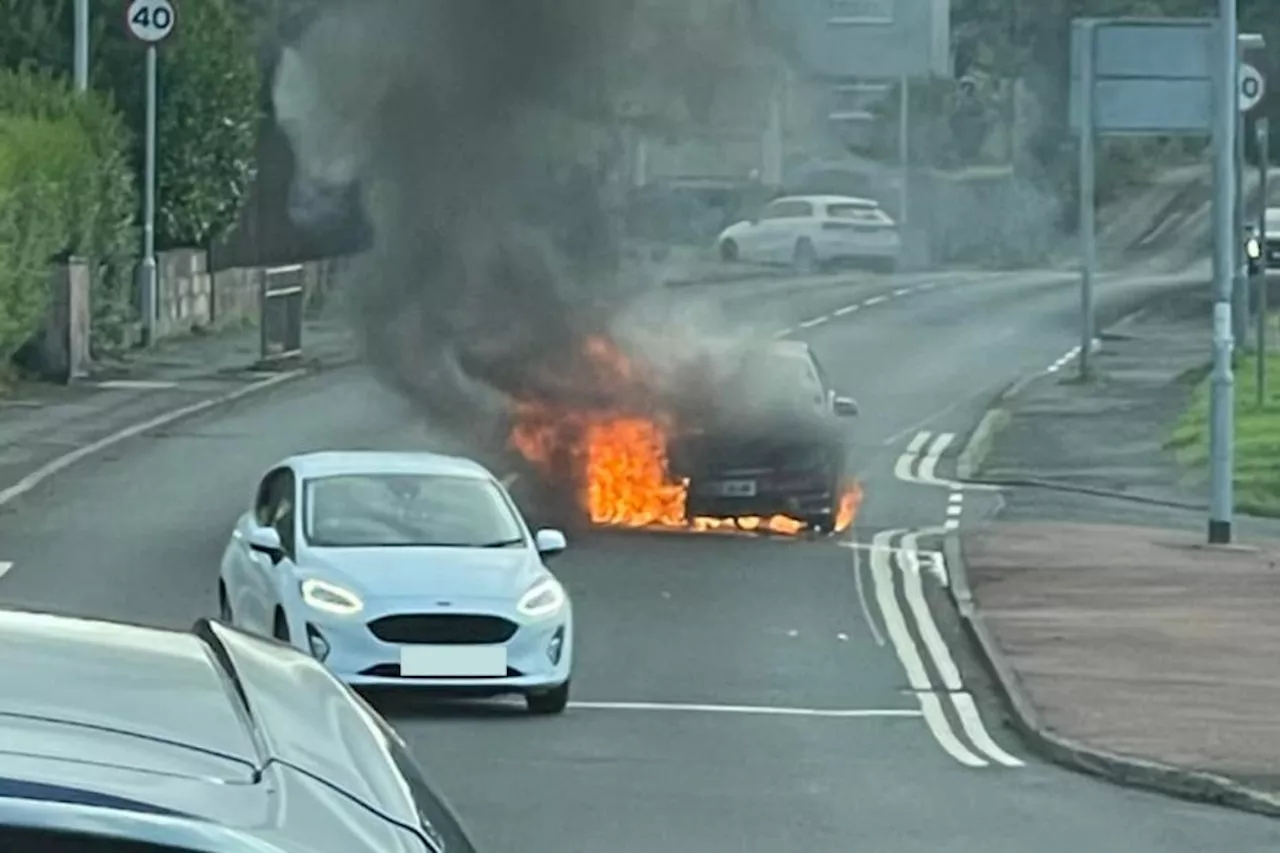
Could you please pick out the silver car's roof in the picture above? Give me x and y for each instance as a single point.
(187, 723)
(141, 682)
(339, 462)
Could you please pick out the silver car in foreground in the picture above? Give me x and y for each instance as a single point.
(403, 570)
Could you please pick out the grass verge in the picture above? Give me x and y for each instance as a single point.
(1257, 436)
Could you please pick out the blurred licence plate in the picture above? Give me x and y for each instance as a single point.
(453, 661)
(735, 488)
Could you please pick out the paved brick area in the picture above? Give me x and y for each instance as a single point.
(1140, 641)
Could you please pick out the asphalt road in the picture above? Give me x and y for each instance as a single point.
(732, 694)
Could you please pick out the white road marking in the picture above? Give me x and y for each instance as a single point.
(5, 566)
(932, 703)
(895, 623)
(851, 713)
(926, 474)
(936, 718)
(782, 333)
(875, 300)
(862, 594)
(937, 565)
(135, 384)
(977, 732)
(951, 524)
(903, 291)
(846, 310)
(1071, 355)
(913, 587)
(954, 511)
(816, 321)
(929, 464)
(47, 470)
(917, 443)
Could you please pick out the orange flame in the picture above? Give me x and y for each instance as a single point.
(619, 460)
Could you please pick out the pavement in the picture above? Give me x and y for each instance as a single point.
(732, 693)
(1121, 645)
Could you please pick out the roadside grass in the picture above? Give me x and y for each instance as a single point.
(1257, 436)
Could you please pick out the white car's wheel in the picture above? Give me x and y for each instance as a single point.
(552, 701)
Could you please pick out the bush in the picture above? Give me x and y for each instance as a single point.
(210, 87)
(41, 162)
(101, 211)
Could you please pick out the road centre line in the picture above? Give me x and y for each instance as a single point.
(5, 566)
(764, 710)
(849, 309)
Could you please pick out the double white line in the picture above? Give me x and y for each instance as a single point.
(919, 462)
(970, 744)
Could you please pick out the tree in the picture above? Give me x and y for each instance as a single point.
(209, 84)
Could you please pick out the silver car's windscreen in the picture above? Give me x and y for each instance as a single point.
(407, 510)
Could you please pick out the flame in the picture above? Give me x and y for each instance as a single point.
(618, 460)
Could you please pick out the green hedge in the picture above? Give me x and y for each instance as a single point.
(40, 161)
(100, 213)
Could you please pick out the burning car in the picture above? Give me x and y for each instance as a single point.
(774, 446)
(745, 437)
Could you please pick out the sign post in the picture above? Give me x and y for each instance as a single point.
(1250, 88)
(1226, 54)
(1264, 167)
(1171, 76)
(1088, 203)
(81, 42)
(150, 22)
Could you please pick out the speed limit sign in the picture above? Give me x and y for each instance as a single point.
(150, 21)
(1252, 87)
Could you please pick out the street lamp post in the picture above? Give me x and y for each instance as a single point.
(82, 45)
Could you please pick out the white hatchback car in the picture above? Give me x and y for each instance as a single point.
(808, 232)
(403, 570)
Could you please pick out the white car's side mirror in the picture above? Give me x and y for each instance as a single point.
(266, 540)
(550, 542)
(845, 407)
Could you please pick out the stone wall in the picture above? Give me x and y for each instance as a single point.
(191, 297)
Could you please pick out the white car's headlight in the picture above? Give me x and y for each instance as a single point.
(543, 598)
(330, 598)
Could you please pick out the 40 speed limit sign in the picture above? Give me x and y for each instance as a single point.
(151, 21)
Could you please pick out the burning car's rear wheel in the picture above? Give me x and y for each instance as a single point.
(551, 701)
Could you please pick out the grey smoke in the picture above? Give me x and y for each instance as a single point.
(451, 115)
(434, 110)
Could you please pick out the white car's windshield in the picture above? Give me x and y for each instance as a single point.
(407, 510)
